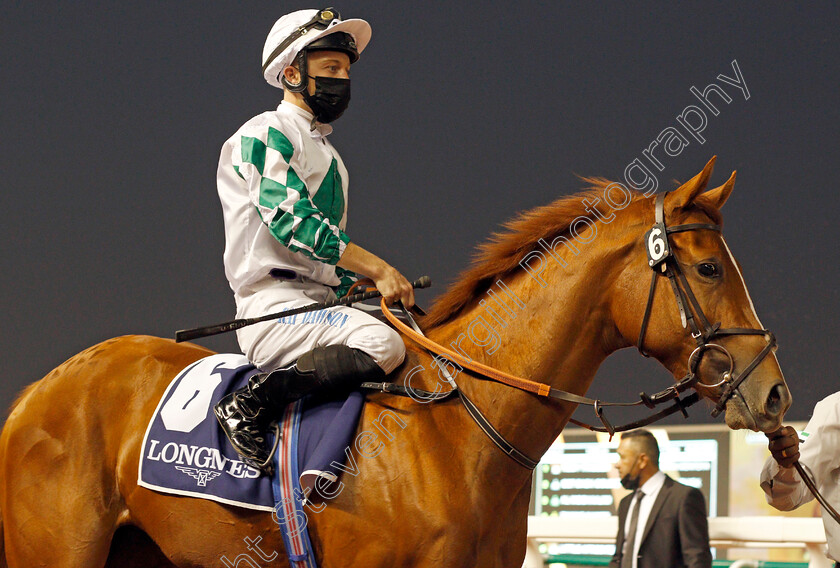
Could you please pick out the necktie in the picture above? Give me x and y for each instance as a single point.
(630, 537)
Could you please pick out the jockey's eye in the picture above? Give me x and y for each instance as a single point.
(708, 269)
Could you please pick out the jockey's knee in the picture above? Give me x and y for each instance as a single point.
(383, 344)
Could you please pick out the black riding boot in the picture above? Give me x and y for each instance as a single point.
(246, 414)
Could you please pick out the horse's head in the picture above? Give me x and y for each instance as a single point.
(719, 336)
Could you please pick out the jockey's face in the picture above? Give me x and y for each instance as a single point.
(332, 64)
(335, 64)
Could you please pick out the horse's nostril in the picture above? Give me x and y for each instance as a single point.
(774, 400)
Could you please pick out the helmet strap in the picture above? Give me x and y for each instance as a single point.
(304, 76)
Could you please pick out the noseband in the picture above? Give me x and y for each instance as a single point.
(663, 262)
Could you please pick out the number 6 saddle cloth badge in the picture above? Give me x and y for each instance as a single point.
(184, 450)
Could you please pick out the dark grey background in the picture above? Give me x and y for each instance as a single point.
(462, 115)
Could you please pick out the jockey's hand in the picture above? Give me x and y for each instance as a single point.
(391, 284)
(394, 286)
(784, 446)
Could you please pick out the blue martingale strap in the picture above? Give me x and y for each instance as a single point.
(288, 495)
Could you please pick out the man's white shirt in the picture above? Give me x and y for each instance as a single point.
(651, 489)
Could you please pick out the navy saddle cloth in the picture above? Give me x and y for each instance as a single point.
(186, 453)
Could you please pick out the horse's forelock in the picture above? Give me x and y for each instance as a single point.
(710, 210)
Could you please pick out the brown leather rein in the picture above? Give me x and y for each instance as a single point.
(662, 261)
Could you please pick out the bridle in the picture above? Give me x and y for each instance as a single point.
(662, 262)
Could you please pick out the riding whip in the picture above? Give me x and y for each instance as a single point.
(196, 332)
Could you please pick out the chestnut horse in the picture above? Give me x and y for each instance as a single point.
(438, 493)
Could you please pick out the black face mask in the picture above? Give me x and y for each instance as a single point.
(631, 483)
(330, 100)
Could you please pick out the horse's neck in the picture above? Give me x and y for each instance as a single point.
(556, 334)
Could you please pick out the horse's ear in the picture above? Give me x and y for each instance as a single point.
(685, 194)
(717, 197)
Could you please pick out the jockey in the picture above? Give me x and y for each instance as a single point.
(283, 189)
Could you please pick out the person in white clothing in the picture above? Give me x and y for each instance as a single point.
(284, 191)
(819, 455)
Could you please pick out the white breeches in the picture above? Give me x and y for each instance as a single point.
(278, 343)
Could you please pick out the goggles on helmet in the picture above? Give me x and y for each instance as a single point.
(338, 41)
(320, 21)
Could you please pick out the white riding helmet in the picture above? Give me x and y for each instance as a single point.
(293, 32)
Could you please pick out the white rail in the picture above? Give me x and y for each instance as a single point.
(724, 532)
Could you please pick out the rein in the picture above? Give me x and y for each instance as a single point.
(662, 261)
(539, 389)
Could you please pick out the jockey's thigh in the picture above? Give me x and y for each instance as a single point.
(278, 343)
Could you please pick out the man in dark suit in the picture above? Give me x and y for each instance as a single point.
(662, 524)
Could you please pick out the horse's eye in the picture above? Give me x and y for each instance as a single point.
(708, 269)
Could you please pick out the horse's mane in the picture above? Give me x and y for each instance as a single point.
(21, 396)
(501, 253)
